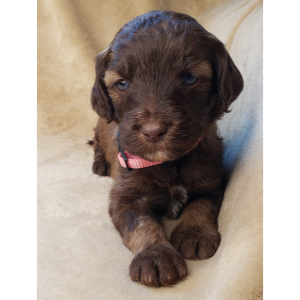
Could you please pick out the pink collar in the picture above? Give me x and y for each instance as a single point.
(130, 161)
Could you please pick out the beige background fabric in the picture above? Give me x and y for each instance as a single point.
(80, 254)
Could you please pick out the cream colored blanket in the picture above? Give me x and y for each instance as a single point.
(80, 254)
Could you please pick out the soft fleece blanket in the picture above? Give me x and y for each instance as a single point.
(80, 254)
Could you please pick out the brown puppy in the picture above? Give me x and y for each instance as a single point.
(161, 85)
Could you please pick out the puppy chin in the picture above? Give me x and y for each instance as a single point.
(158, 156)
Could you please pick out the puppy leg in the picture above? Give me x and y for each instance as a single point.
(155, 262)
(196, 235)
(100, 165)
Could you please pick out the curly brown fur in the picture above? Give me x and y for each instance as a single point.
(153, 53)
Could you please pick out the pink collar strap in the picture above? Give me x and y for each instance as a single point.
(130, 161)
(136, 162)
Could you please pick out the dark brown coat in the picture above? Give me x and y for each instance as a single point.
(162, 84)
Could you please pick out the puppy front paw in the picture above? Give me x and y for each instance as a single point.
(101, 168)
(195, 242)
(158, 265)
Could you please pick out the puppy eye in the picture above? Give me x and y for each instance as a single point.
(189, 79)
(123, 85)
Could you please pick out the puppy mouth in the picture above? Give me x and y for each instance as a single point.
(174, 145)
(162, 151)
(170, 154)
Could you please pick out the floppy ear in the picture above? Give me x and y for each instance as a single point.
(229, 79)
(100, 99)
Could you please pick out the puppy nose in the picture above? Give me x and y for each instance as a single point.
(154, 132)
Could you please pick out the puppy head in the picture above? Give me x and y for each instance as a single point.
(164, 79)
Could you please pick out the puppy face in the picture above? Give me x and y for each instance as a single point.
(164, 80)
